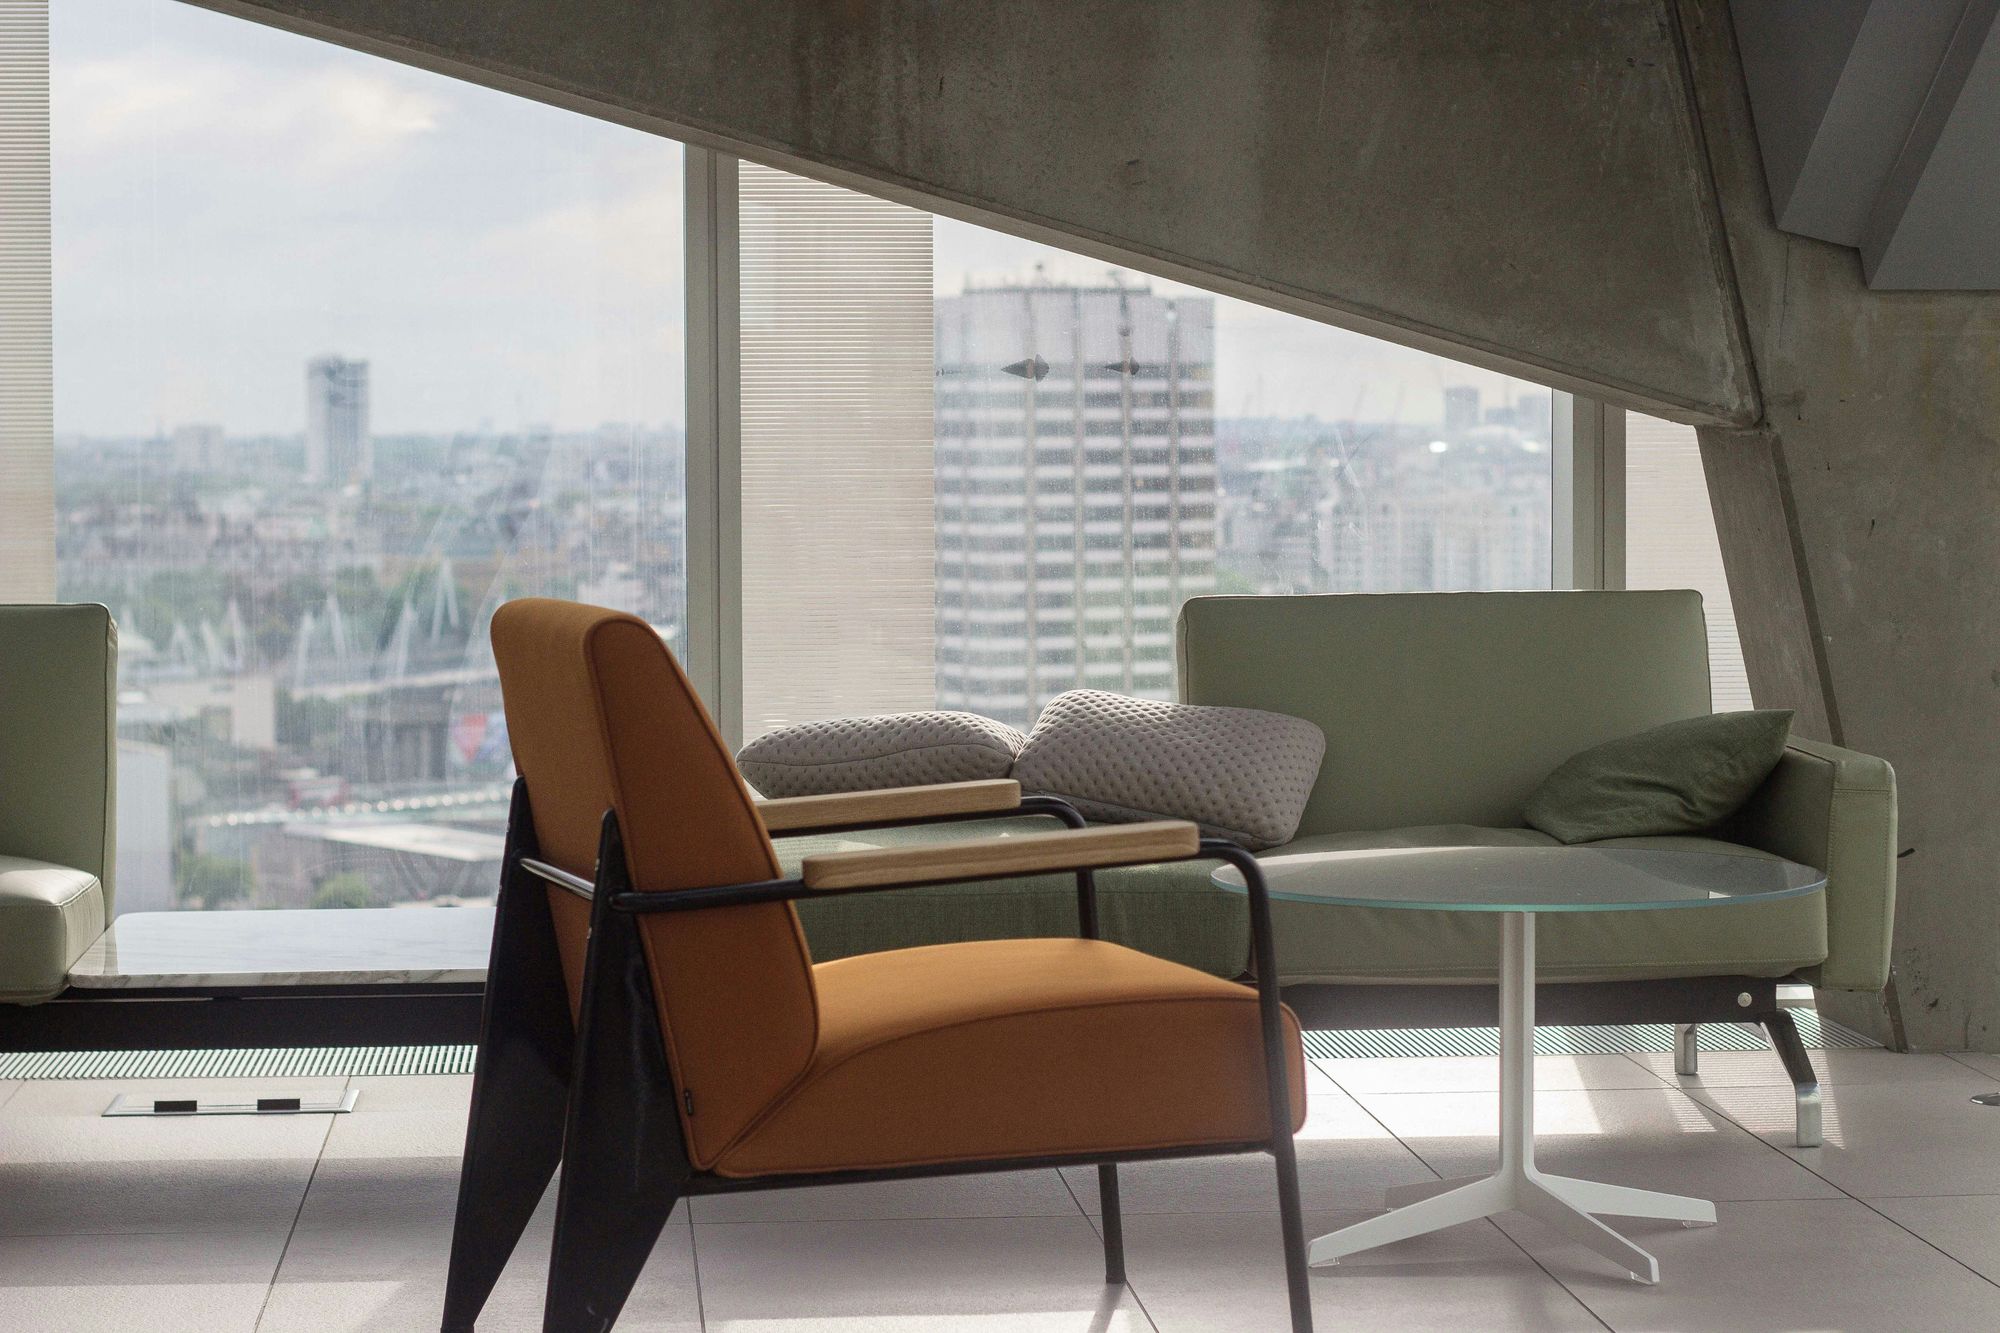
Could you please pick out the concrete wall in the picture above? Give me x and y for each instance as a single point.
(1861, 527)
(1430, 172)
(1536, 184)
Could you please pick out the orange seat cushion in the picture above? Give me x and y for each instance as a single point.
(1018, 1048)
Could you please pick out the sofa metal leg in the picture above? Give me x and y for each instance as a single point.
(1687, 1054)
(1113, 1220)
(1805, 1079)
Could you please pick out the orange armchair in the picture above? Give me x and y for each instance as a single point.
(655, 1025)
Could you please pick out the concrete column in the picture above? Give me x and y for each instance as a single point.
(1861, 528)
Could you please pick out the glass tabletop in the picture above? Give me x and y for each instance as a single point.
(1528, 879)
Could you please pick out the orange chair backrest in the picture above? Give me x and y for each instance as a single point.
(601, 718)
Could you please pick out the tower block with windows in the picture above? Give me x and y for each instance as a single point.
(1075, 490)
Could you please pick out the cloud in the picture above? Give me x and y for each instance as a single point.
(172, 102)
(231, 199)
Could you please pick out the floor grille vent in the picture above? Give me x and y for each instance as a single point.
(302, 1062)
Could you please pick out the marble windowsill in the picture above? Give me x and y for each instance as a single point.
(379, 946)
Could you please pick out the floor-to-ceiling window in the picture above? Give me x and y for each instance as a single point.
(347, 354)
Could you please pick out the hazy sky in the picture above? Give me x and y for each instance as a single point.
(231, 200)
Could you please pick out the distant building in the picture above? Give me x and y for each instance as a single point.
(1461, 410)
(1383, 508)
(198, 447)
(339, 448)
(144, 880)
(1075, 476)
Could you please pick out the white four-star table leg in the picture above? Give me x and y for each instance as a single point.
(1518, 1185)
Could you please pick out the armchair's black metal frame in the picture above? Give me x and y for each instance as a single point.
(597, 1097)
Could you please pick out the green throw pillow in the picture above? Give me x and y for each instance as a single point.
(1684, 777)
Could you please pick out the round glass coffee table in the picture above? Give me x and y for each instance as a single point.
(1520, 883)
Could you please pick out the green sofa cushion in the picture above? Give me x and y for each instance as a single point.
(1681, 777)
(49, 914)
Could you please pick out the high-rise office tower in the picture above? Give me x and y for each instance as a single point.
(338, 446)
(1075, 465)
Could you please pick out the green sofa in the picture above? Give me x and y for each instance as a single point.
(1442, 711)
(58, 786)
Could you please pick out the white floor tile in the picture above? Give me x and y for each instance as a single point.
(412, 1116)
(964, 1275)
(1884, 1140)
(1481, 1073)
(1794, 1264)
(1966, 1227)
(1003, 1194)
(1226, 1274)
(63, 1121)
(180, 1224)
(1749, 1069)
(373, 1218)
(149, 1195)
(1346, 1159)
(1979, 1062)
(8, 1087)
(413, 1092)
(182, 1283)
(1654, 1138)
(373, 1245)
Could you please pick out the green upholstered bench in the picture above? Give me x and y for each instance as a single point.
(72, 980)
(58, 783)
(1442, 711)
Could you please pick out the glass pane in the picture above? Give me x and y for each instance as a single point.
(1185, 443)
(1670, 540)
(1097, 446)
(348, 354)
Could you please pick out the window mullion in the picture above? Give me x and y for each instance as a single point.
(714, 441)
(1589, 516)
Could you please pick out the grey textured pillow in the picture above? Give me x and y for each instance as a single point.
(890, 750)
(1239, 773)
(1683, 777)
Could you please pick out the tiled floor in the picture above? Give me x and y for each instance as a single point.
(326, 1223)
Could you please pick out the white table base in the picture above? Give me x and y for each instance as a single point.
(1518, 1185)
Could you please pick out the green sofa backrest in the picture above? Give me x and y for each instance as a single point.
(59, 737)
(1447, 708)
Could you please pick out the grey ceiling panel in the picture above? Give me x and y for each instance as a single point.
(1936, 223)
(1880, 130)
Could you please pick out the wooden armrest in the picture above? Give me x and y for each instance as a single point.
(999, 858)
(889, 805)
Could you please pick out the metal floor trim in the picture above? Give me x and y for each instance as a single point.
(300, 1062)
